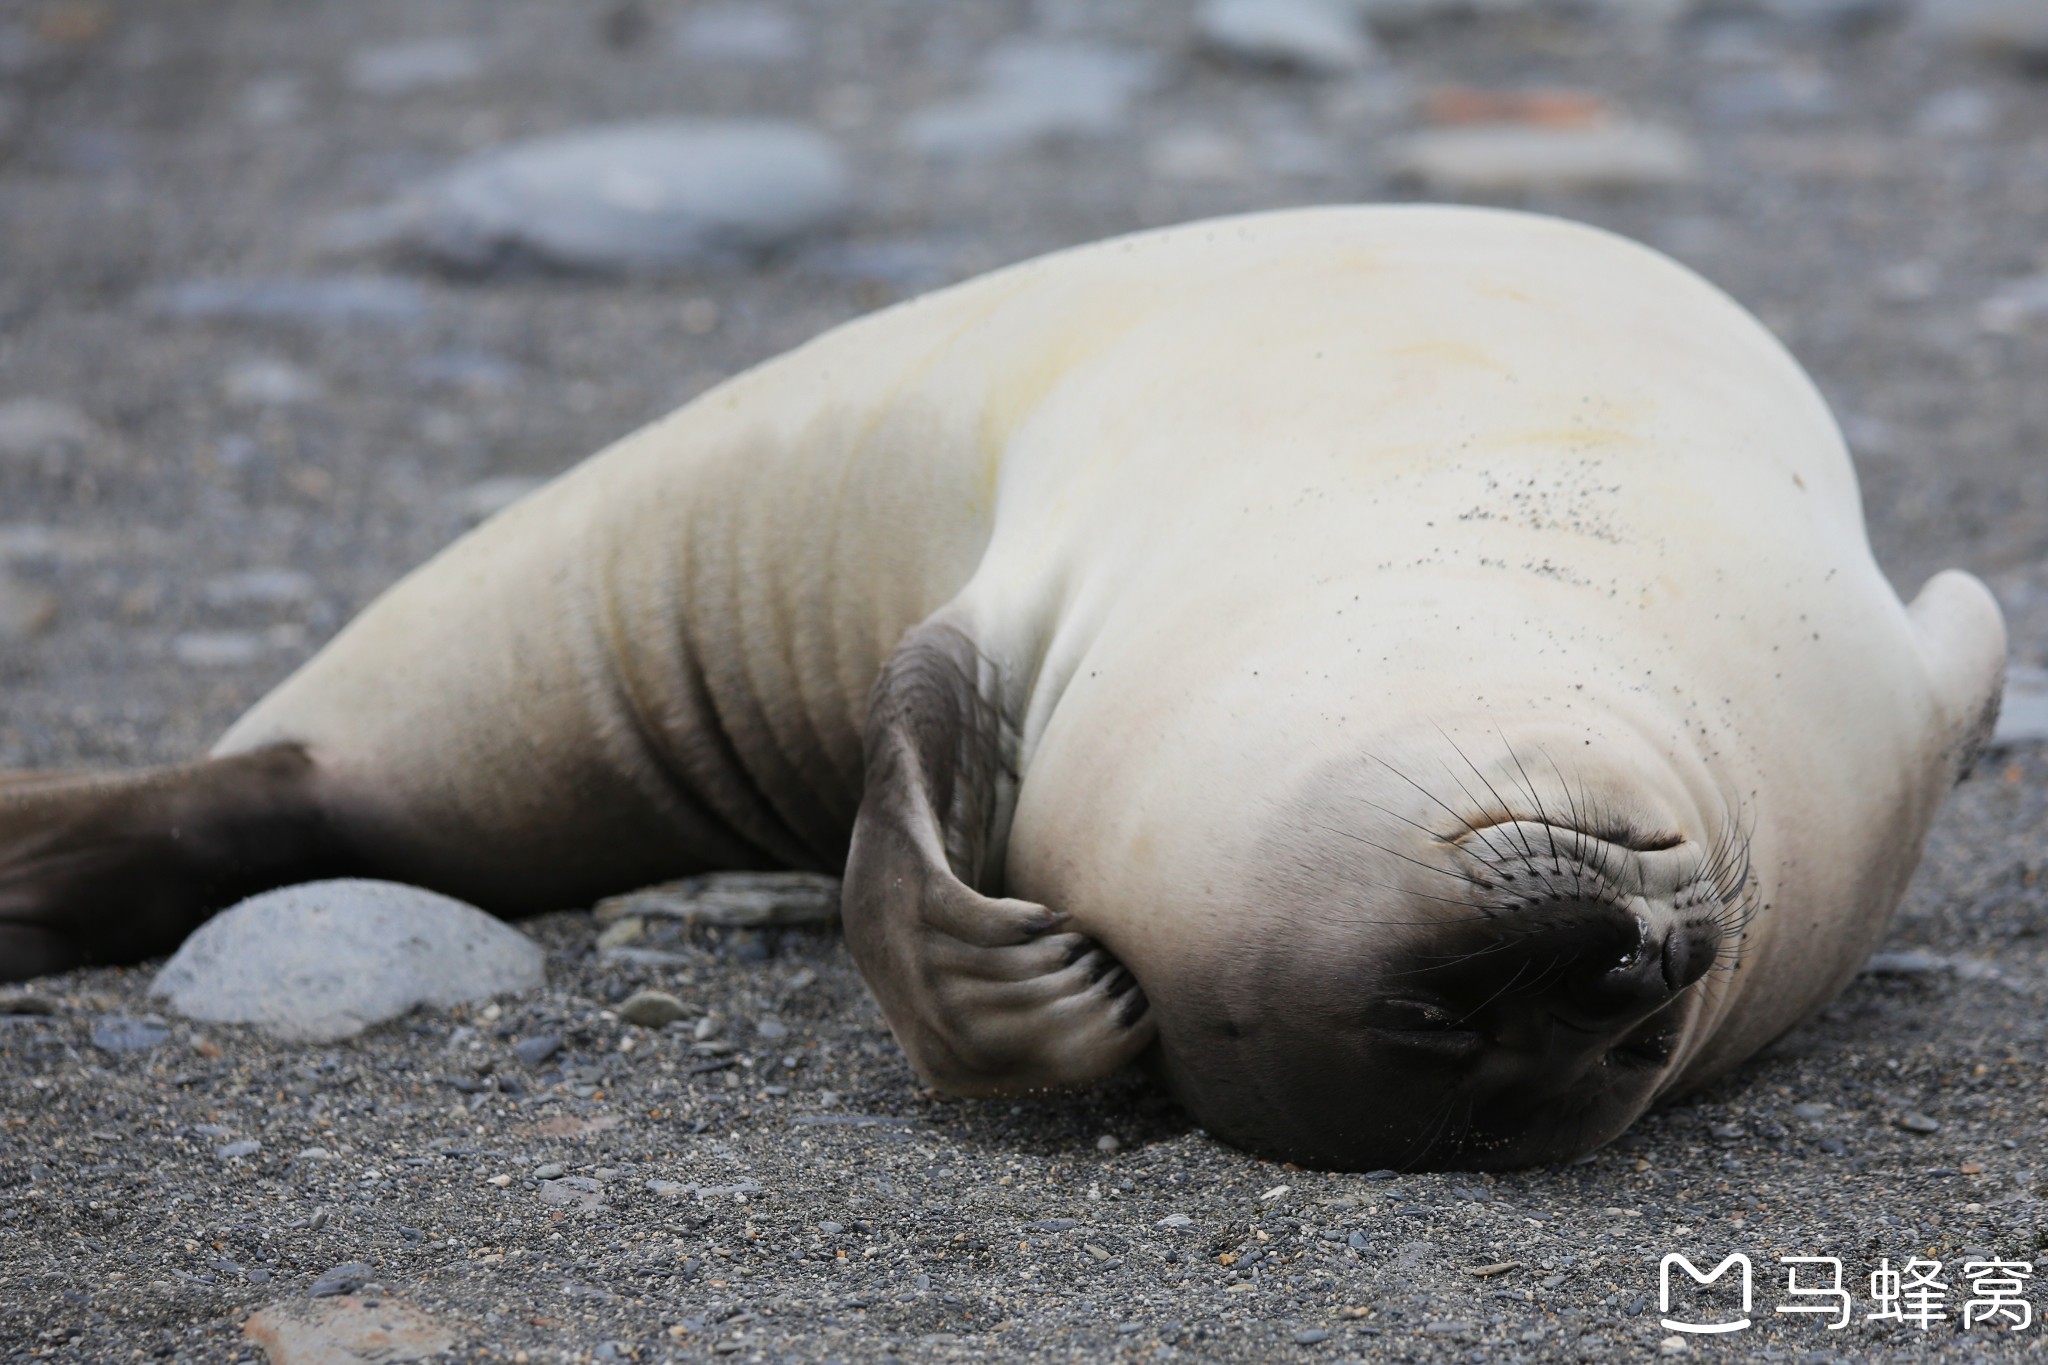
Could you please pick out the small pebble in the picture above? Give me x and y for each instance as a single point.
(772, 1029)
(246, 1147)
(830, 1229)
(548, 1170)
(128, 1033)
(621, 933)
(650, 1009)
(1107, 1143)
(27, 1002)
(534, 1051)
(345, 1278)
(1309, 1336)
(1919, 1123)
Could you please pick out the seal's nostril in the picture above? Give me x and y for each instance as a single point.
(1688, 952)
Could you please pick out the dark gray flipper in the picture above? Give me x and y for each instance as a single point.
(987, 995)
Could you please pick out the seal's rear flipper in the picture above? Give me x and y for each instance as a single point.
(117, 867)
(1962, 643)
(986, 995)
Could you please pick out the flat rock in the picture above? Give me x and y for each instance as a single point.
(45, 431)
(2023, 714)
(622, 199)
(129, 1033)
(1320, 36)
(735, 900)
(347, 1330)
(310, 300)
(266, 382)
(325, 960)
(218, 648)
(749, 34)
(1512, 159)
(1035, 90)
(2014, 27)
(651, 1009)
(26, 611)
(401, 68)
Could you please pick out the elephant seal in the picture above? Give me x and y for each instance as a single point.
(1415, 675)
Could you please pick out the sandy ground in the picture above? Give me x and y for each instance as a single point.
(1865, 192)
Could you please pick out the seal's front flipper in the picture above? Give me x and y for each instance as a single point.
(987, 995)
(121, 866)
(1962, 643)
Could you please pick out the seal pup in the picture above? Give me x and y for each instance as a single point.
(1415, 675)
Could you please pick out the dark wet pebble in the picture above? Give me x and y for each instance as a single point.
(534, 1051)
(345, 1278)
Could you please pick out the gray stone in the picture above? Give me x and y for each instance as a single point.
(1963, 111)
(27, 1002)
(1032, 91)
(572, 1192)
(1834, 16)
(752, 35)
(231, 1150)
(345, 1278)
(129, 1033)
(218, 648)
(268, 382)
(1321, 36)
(549, 1170)
(26, 611)
(1919, 1123)
(260, 588)
(2023, 714)
(735, 900)
(313, 301)
(1514, 159)
(622, 199)
(651, 1009)
(1395, 16)
(46, 431)
(325, 960)
(2016, 306)
(2016, 28)
(534, 1052)
(401, 68)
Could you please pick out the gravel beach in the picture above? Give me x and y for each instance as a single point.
(265, 344)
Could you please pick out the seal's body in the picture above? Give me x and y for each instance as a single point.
(1418, 672)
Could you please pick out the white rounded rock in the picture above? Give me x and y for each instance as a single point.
(325, 960)
(630, 197)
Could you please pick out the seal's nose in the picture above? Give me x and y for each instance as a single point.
(1569, 984)
(1621, 964)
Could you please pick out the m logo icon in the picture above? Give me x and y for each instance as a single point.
(1664, 1292)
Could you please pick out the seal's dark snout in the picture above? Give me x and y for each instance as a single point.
(1624, 964)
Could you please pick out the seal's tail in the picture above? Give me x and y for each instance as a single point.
(1962, 644)
(115, 867)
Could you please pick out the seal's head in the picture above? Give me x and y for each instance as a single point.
(1494, 961)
